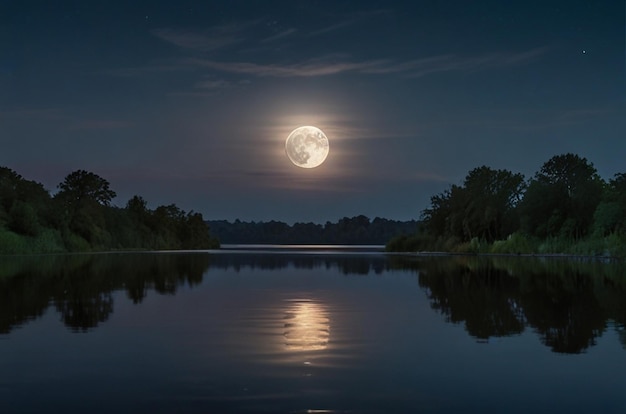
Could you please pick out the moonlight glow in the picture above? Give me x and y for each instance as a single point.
(307, 327)
(307, 146)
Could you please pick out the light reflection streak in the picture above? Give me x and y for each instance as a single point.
(307, 326)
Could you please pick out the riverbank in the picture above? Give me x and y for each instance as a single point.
(612, 247)
(49, 241)
(581, 258)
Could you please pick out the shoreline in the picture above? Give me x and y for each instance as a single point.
(334, 249)
(533, 255)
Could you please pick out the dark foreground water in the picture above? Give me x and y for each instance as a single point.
(321, 331)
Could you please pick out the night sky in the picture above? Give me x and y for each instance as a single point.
(190, 102)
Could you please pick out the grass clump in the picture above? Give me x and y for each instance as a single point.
(516, 243)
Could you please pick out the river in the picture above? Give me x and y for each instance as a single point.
(268, 329)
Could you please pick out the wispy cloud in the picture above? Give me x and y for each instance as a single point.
(191, 40)
(279, 35)
(211, 87)
(231, 36)
(213, 84)
(333, 66)
(350, 20)
(448, 63)
(306, 69)
(211, 39)
(332, 28)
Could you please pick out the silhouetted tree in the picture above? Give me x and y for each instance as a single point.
(492, 197)
(82, 196)
(85, 187)
(24, 204)
(562, 198)
(485, 206)
(9, 180)
(610, 215)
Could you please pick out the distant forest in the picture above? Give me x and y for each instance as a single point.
(80, 217)
(566, 207)
(354, 230)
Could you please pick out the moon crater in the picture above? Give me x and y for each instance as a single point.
(307, 146)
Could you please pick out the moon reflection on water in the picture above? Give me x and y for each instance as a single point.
(307, 326)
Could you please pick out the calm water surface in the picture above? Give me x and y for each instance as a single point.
(318, 331)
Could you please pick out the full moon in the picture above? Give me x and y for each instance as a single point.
(307, 146)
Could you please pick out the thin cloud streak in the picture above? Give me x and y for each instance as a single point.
(215, 38)
(331, 28)
(349, 21)
(413, 68)
(447, 63)
(279, 35)
(308, 69)
(213, 84)
(190, 40)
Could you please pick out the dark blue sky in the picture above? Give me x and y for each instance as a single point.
(190, 102)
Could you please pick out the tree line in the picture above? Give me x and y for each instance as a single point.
(80, 217)
(566, 207)
(348, 230)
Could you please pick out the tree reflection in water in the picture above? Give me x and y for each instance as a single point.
(81, 286)
(558, 299)
(569, 304)
(82, 313)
